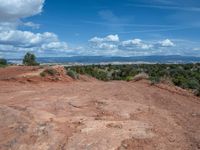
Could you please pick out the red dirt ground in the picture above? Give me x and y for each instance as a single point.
(94, 115)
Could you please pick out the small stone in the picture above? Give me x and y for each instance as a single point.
(125, 145)
(172, 139)
(194, 114)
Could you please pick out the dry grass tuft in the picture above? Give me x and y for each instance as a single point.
(140, 76)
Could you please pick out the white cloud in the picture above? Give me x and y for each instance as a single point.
(107, 46)
(104, 46)
(32, 25)
(112, 38)
(112, 44)
(25, 39)
(196, 49)
(146, 46)
(5, 26)
(55, 46)
(135, 43)
(16, 9)
(109, 38)
(14, 40)
(109, 42)
(12, 11)
(166, 43)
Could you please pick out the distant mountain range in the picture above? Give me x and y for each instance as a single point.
(106, 59)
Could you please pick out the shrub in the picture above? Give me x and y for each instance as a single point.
(30, 60)
(197, 92)
(140, 76)
(180, 81)
(43, 74)
(49, 71)
(193, 84)
(72, 74)
(183, 75)
(101, 75)
(3, 62)
(129, 78)
(154, 80)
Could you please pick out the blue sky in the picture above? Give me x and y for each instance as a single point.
(99, 27)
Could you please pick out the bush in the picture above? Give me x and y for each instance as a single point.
(43, 74)
(180, 81)
(183, 75)
(129, 78)
(154, 80)
(101, 75)
(30, 60)
(197, 92)
(49, 71)
(73, 74)
(193, 84)
(3, 62)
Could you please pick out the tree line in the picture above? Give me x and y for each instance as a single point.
(186, 76)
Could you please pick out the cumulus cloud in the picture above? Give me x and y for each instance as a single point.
(103, 46)
(132, 42)
(32, 25)
(113, 44)
(14, 40)
(166, 43)
(26, 39)
(55, 46)
(16, 9)
(4, 26)
(135, 43)
(107, 46)
(109, 38)
(196, 49)
(13, 11)
(107, 43)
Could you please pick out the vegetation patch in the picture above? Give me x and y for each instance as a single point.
(3, 62)
(30, 60)
(49, 72)
(186, 76)
(73, 74)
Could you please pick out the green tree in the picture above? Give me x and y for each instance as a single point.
(3, 61)
(30, 60)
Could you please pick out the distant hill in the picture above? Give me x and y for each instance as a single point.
(117, 59)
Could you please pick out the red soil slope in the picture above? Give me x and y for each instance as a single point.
(96, 115)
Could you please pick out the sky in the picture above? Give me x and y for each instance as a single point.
(54, 28)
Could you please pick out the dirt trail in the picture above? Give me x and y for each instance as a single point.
(97, 116)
